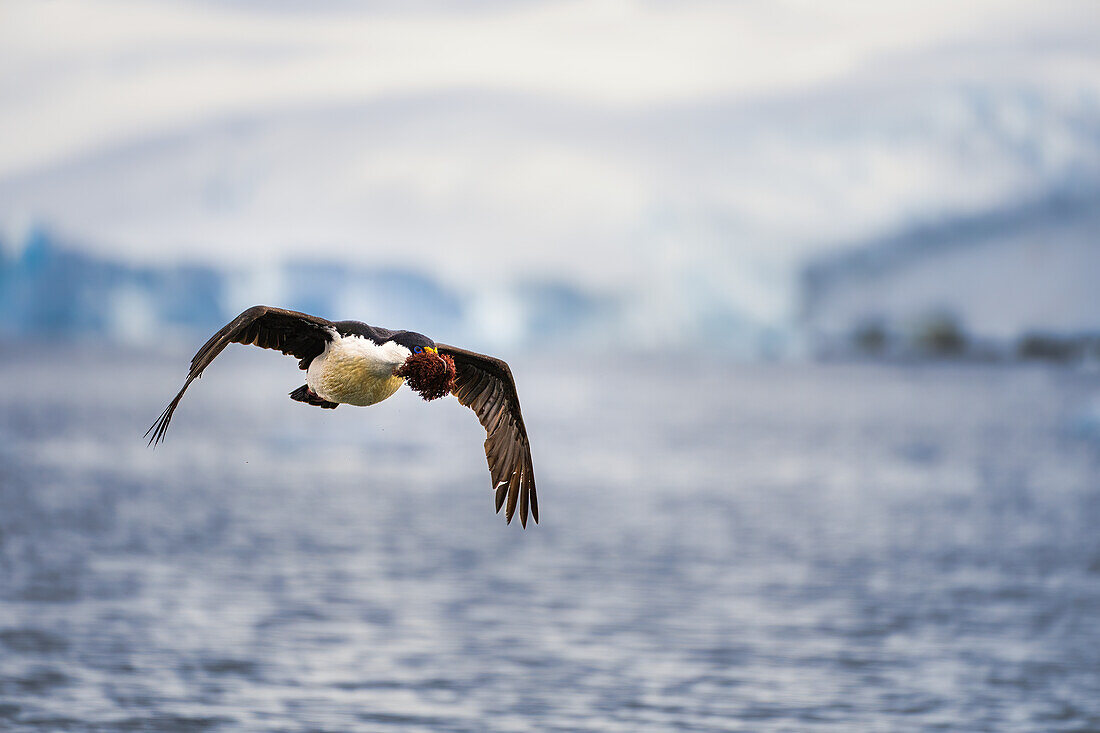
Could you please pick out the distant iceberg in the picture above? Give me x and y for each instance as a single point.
(49, 287)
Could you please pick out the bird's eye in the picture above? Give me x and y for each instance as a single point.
(417, 350)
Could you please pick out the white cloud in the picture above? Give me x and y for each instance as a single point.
(80, 74)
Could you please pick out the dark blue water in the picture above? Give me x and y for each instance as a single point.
(723, 547)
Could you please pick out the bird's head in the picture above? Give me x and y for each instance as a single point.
(426, 371)
(413, 341)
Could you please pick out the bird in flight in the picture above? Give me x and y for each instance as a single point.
(351, 363)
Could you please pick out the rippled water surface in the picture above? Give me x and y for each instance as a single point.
(723, 547)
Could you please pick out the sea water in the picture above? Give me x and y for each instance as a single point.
(723, 547)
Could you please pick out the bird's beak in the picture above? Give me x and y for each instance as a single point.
(429, 348)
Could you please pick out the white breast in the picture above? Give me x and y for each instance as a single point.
(356, 371)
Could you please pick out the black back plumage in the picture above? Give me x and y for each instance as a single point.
(377, 334)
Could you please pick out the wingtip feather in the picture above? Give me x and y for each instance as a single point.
(534, 504)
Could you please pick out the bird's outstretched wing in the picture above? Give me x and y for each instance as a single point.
(291, 332)
(486, 386)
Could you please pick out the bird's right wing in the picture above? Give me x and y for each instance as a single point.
(297, 334)
(485, 385)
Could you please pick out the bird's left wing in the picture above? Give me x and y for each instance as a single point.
(291, 332)
(486, 386)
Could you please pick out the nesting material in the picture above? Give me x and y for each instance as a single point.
(430, 375)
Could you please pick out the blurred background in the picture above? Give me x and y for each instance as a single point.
(802, 303)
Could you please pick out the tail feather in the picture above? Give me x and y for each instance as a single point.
(308, 396)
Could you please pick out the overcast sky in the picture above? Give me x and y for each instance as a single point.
(618, 144)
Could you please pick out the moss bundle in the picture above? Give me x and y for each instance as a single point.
(430, 375)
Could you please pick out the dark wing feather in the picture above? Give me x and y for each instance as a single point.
(291, 332)
(486, 386)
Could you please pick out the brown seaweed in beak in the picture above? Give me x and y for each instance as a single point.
(429, 374)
